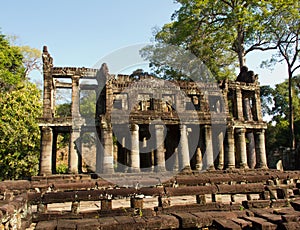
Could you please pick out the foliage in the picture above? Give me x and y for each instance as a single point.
(11, 65)
(286, 35)
(220, 33)
(62, 168)
(20, 106)
(275, 104)
(88, 103)
(19, 133)
(31, 59)
(63, 110)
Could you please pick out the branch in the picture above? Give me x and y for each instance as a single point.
(257, 46)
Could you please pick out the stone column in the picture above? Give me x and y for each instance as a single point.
(48, 84)
(239, 104)
(99, 151)
(75, 97)
(199, 163)
(46, 151)
(230, 157)
(160, 149)
(183, 149)
(221, 151)
(242, 148)
(261, 158)
(75, 132)
(176, 160)
(107, 143)
(209, 154)
(74, 150)
(134, 158)
(257, 105)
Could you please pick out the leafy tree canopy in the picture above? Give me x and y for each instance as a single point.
(11, 65)
(19, 133)
(20, 106)
(275, 104)
(221, 33)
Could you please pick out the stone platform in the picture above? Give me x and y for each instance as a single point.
(240, 199)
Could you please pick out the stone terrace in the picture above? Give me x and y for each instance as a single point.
(250, 199)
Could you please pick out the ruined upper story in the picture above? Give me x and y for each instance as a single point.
(143, 98)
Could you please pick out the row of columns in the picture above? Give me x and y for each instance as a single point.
(235, 138)
(261, 158)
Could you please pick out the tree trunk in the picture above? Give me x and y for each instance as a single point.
(291, 112)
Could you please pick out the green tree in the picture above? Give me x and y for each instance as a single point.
(277, 106)
(20, 106)
(221, 33)
(286, 34)
(11, 65)
(19, 133)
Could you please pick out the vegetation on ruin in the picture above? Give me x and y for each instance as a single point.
(20, 106)
(222, 33)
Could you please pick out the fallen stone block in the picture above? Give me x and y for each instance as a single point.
(186, 220)
(256, 203)
(291, 218)
(225, 224)
(7, 209)
(259, 223)
(64, 224)
(87, 224)
(295, 205)
(49, 225)
(273, 218)
(169, 222)
(279, 203)
(289, 226)
(242, 223)
(108, 223)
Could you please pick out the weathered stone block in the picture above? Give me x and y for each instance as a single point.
(259, 223)
(279, 203)
(7, 209)
(225, 224)
(64, 224)
(186, 220)
(106, 204)
(136, 202)
(256, 203)
(295, 205)
(49, 225)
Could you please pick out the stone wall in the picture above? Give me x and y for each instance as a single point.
(15, 211)
(258, 199)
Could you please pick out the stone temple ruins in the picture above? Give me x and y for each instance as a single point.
(186, 155)
(147, 124)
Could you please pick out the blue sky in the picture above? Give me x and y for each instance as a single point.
(80, 33)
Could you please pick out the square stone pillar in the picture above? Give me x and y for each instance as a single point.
(134, 157)
(257, 105)
(160, 149)
(75, 97)
(230, 157)
(176, 160)
(48, 84)
(209, 154)
(107, 143)
(183, 149)
(239, 104)
(261, 157)
(74, 151)
(46, 151)
(242, 148)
